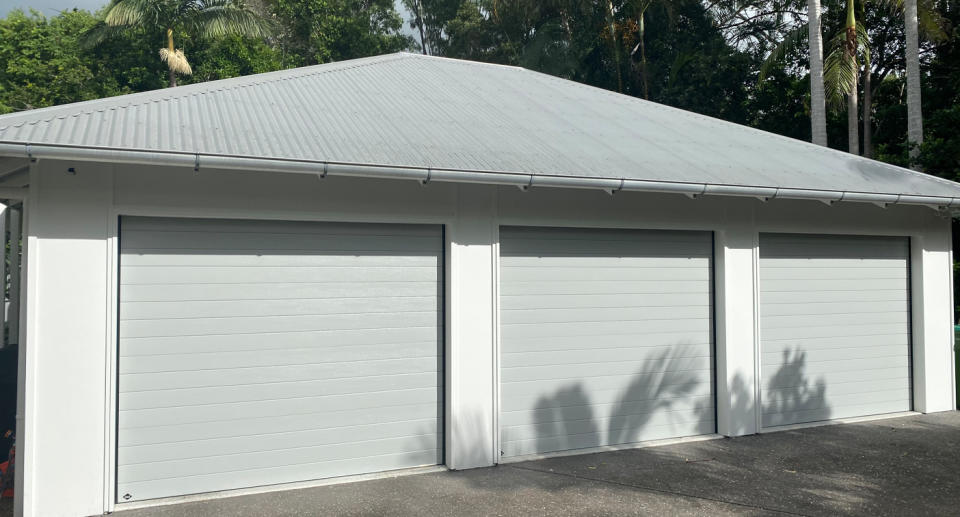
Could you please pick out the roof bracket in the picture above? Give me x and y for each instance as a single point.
(693, 196)
(828, 202)
(613, 191)
(326, 169)
(763, 199)
(33, 159)
(881, 204)
(524, 188)
(196, 162)
(426, 180)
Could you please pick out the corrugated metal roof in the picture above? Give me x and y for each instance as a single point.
(418, 111)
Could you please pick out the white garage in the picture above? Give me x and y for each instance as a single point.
(606, 338)
(834, 327)
(405, 264)
(256, 353)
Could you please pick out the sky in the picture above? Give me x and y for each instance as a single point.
(50, 7)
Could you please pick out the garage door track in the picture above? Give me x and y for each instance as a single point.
(901, 466)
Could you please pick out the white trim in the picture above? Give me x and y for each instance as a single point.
(274, 215)
(757, 351)
(851, 420)
(953, 332)
(497, 392)
(551, 221)
(110, 356)
(299, 485)
(27, 383)
(612, 448)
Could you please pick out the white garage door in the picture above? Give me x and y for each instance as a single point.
(606, 337)
(834, 327)
(253, 352)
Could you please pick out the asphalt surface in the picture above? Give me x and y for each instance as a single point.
(901, 466)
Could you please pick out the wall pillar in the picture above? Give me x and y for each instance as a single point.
(736, 329)
(61, 459)
(931, 274)
(471, 266)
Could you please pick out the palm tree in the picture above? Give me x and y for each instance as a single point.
(914, 112)
(818, 109)
(203, 18)
(841, 72)
(919, 16)
(812, 34)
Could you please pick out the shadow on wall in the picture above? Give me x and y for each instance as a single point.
(788, 396)
(664, 399)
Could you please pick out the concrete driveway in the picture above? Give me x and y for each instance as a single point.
(901, 466)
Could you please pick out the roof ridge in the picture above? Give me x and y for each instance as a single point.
(243, 81)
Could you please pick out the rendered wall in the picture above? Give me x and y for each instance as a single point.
(66, 444)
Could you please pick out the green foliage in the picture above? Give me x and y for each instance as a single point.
(233, 56)
(40, 64)
(708, 57)
(319, 31)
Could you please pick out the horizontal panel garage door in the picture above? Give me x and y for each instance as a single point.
(606, 338)
(254, 353)
(834, 327)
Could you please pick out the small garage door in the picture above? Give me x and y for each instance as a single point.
(254, 353)
(834, 327)
(606, 338)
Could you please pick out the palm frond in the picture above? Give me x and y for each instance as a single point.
(793, 40)
(226, 18)
(840, 71)
(99, 33)
(130, 12)
(933, 26)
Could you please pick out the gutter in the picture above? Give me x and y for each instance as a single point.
(426, 175)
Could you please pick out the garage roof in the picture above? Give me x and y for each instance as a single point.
(408, 115)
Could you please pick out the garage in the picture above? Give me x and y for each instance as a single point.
(330, 272)
(834, 327)
(606, 337)
(262, 352)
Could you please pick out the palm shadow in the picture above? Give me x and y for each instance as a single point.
(789, 396)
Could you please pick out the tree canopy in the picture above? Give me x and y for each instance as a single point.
(745, 61)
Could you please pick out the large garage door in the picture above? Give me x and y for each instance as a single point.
(254, 353)
(606, 338)
(834, 327)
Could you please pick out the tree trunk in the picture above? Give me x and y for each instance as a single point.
(419, 15)
(867, 112)
(616, 46)
(853, 119)
(914, 110)
(643, 57)
(853, 113)
(173, 75)
(818, 110)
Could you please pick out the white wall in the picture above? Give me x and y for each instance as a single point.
(68, 386)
